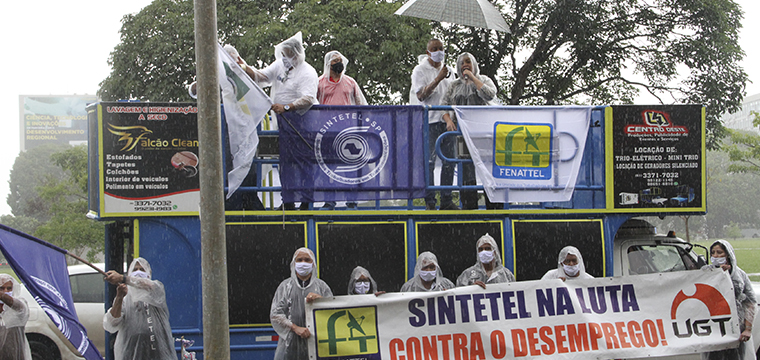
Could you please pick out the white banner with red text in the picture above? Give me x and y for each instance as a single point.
(625, 317)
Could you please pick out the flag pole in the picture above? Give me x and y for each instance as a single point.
(86, 263)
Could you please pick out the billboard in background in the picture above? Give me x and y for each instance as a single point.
(53, 119)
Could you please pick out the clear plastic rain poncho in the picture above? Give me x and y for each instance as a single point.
(288, 307)
(559, 272)
(463, 91)
(143, 327)
(297, 86)
(13, 343)
(499, 274)
(355, 275)
(415, 284)
(745, 307)
(344, 92)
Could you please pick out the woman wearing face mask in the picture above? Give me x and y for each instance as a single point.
(288, 313)
(471, 88)
(488, 269)
(569, 266)
(722, 256)
(140, 315)
(428, 276)
(14, 314)
(337, 88)
(361, 282)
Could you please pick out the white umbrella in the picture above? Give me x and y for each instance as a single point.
(478, 13)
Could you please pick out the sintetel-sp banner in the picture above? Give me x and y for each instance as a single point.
(638, 316)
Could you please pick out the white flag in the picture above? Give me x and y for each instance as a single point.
(525, 154)
(245, 105)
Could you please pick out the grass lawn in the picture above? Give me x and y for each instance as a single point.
(747, 254)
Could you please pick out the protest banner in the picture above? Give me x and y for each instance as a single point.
(638, 316)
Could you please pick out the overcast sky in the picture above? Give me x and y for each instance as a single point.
(58, 47)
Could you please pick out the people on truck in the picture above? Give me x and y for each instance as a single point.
(14, 313)
(288, 313)
(430, 81)
(293, 82)
(428, 275)
(361, 282)
(470, 88)
(569, 266)
(488, 268)
(722, 256)
(139, 314)
(337, 88)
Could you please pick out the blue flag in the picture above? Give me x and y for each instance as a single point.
(350, 153)
(42, 268)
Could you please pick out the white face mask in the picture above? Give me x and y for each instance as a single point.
(288, 62)
(486, 256)
(139, 274)
(571, 270)
(427, 275)
(437, 56)
(718, 260)
(9, 293)
(361, 287)
(303, 268)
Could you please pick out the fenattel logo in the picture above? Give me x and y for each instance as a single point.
(720, 313)
(655, 123)
(347, 333)
(522, 151)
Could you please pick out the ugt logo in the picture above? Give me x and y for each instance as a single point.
(719, 309)
(522, 151)
(346, 332)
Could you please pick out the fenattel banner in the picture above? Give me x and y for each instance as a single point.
(647, 315)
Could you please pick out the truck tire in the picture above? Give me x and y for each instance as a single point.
(43, 349)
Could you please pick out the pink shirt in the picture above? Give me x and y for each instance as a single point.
(343, 92)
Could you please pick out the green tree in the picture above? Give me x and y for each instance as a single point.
(155, 58)
(49, 199)
(29, 170)
(68, 226)
(744, 149)
(606, 52)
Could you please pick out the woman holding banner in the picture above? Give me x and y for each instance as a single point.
(428, 276)
(722, 256)
(488, 269)
(569, 266)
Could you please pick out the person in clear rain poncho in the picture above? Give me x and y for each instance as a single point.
(722, 256)
(293, 82)
(569, 266)
(288, 313)
(428, 276)
(14, 313)
(335, 87)
(361, 282)
(488, 269)
(470, 88)
(139, 314)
